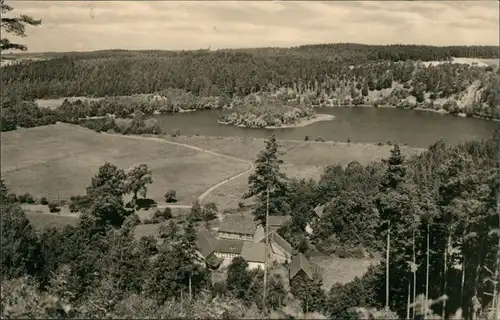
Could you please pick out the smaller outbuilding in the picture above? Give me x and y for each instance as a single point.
(300, 266)
(317, 214)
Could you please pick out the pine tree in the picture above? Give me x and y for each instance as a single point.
(364, 91)
(15, 26)
(191, 270)
(391, 203)
(267, 177)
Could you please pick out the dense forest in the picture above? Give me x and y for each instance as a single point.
(327, 75)
(440, 208)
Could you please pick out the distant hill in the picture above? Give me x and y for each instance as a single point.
(336, 50)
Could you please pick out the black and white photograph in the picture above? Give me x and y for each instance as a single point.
(267, 159)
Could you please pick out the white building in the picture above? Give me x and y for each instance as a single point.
(254, 254)
(228, 249)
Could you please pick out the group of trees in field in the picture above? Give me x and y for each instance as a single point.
(28, 114)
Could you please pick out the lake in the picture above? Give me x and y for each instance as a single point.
(369, 125)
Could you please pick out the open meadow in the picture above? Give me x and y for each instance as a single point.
(303, 159)
(58, 161)
(341, 270)
(40, 218)
(56, 103)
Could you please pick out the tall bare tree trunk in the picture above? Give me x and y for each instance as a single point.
(462, 283)
(408, 302)
(182, 301)
(427, 272)
(496, 290)
(445, 273)
(414, 275)
(387, 267)
(266, 252)
(190, 291)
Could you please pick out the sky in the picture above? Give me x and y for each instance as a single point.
(175, 25)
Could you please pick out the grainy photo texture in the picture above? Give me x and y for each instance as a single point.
(250, 160)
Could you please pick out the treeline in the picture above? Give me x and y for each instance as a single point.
(28, 114)
(228, 74)
(337, 51)
(440, 205)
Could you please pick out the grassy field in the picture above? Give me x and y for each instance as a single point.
(41, 221)
(302, 159)
(55, 103)
(337, 270)
(58, 161)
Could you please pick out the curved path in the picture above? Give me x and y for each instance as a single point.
(209, 190)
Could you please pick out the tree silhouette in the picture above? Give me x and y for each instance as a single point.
(15, 26)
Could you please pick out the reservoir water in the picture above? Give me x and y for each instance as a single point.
(370, 125)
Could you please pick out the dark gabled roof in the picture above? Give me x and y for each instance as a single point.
(319, 210)
(228, 246)
(254, 252)
(300, 262)
(282, 243)
(274, 236)
(278, 221)
(238, 223)
(205, 243)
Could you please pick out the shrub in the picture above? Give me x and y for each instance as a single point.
(145, 203)
(163, 214)
(210, 211)
(320, 139)
(11, 197)
(196, 213)
(170, 196)
(306, 138)
(219, 288)
(26, 198)
(175, 132)
(53, 207)
(44, 201)
(22, 198)
(30, 199)
(132, 220)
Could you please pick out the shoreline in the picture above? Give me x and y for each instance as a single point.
(156, 112)
(305, 122)
(301, 123)
(386, 106)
